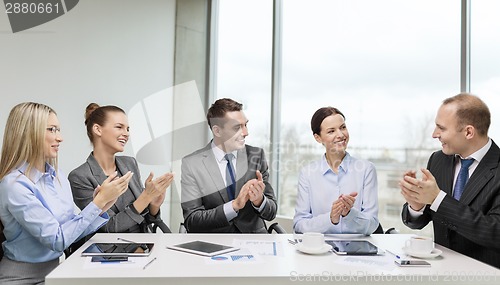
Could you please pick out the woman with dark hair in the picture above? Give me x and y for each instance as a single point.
(337, 193)
(138, 207)
(36, 205)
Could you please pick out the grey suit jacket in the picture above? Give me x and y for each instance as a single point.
(470, 226)
(203, 193)
(85, 178)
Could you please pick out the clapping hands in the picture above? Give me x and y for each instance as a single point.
(342, 206)
(155, 189)
(105, 195)
(253, 190)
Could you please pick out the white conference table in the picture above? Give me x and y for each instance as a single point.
(175, 267)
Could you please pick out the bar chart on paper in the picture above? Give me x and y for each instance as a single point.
(239, 257)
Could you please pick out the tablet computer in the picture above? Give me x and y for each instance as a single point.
(203, 248)
(353, 247)
(118, 249)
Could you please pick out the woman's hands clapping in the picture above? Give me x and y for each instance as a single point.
(105, 195)
(156, 188)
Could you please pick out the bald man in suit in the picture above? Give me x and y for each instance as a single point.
(208, 203)
(466, 219)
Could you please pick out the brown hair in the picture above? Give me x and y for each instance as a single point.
(94, 114)
(219, 109)
(320, 115)
(471, 111)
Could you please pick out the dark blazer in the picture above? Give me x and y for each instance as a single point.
(470, 226)
(85, 178)
(203, 193)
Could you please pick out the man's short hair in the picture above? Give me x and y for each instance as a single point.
(471, 111)
(218, 110)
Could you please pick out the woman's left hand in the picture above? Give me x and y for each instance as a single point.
(156, 188)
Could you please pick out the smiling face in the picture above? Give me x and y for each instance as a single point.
(114, 133)
(333, 135)
(453, 139)
(231, 135)
(52, 137)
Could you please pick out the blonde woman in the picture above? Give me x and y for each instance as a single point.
(139, 207)
(36, 203)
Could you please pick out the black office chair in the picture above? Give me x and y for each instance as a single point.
(276, 228)
(2, 239)
(380, 230)
(273, 227)
(182, 229)
(155, 224)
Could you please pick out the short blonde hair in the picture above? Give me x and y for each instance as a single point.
(24, 137)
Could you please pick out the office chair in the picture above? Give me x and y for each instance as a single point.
(276, 228)
(2, 239)
(155, 224)
(380, 230)
(182, 229)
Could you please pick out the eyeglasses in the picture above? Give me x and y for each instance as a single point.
(53, 130)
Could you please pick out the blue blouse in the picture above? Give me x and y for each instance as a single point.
(39, 215)
(319, 187)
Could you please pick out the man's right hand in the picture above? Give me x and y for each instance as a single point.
(240, 201)
(407, 194)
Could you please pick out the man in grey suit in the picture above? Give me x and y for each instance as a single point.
(460, 189)
(221, 193)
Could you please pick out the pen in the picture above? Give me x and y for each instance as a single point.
(397, 256)
(143, 246)
(126, 240)
(147, 264)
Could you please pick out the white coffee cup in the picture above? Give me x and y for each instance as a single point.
(313, 240)
(420, 244)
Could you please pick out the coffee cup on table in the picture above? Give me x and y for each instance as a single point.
(313, 240)
(420, 244)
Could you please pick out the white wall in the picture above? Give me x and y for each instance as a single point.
(105, 51)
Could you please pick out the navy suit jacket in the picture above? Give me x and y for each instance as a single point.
(470, 226)
(203, 193)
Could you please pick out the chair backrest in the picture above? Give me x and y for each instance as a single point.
(182, 229)
(276, 228)
(2, 239)
(379, 229)
(159, 224)
(286, 223)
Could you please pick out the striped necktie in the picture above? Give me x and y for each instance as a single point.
(463, 176)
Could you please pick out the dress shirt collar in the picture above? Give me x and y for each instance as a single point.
(344, 165)
(36, 175)
(480, 153)
(219, 153)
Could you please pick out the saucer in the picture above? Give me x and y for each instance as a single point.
(434, 253)
(320, 250)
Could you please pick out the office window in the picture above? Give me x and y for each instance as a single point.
(386, 65)
(244, 62)
(485, 58)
